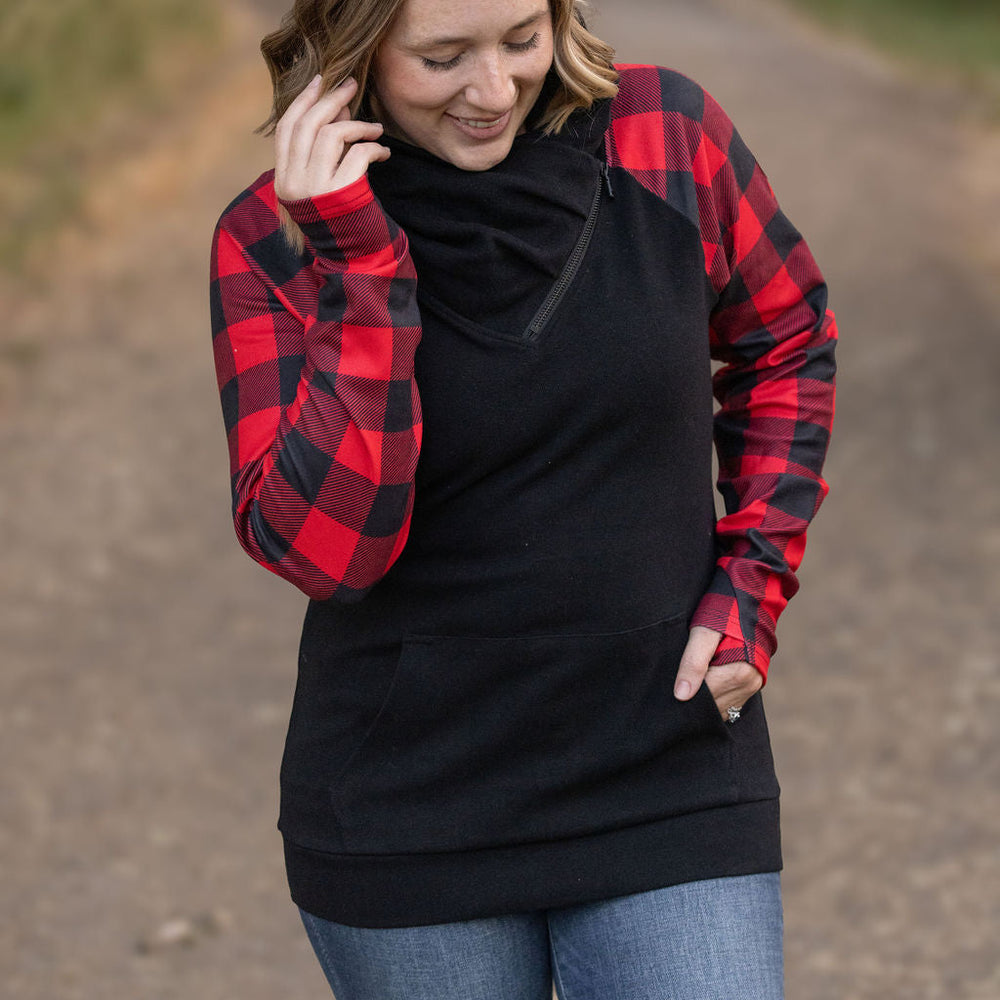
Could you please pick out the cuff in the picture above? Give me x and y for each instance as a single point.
(341, 224)
(719, 610)
(329, 206)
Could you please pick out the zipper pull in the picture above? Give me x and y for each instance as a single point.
(606, 171)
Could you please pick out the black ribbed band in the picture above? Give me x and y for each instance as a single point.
(421, 889)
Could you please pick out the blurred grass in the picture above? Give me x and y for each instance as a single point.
(961, 36)
(76, 77)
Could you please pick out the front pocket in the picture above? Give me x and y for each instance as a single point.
(495, 741)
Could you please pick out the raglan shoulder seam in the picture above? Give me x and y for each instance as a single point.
(646, 88)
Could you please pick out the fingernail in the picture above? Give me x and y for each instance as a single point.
(314, 82)
(349, 82)
(683, 690)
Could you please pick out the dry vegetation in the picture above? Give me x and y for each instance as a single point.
(958, 35)
(78, 76)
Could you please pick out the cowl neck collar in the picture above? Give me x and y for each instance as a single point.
(489, 244)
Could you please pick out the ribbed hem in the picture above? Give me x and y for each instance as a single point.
(419, 889)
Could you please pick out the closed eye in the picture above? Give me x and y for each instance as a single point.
(531, 43)
(516, 47)
(433, 64)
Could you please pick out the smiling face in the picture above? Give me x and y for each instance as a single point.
(458, 77)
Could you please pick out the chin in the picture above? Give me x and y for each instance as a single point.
(478, 159)
(478, 164)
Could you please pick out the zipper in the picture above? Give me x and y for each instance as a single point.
(569, 272)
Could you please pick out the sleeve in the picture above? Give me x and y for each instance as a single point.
(775, 338)
(320, 403)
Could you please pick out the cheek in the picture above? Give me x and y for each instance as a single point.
(412, 93)
(541, 64)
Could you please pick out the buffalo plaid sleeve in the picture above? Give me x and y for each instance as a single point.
(775, 337)
(773, 334)
(314, 357)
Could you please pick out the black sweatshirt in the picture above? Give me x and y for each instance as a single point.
(492, 728)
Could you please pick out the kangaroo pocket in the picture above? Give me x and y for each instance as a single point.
(485, 742)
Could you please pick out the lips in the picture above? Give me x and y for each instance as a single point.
(478, 123)
(482, 128)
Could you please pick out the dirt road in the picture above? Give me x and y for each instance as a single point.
(147, 666)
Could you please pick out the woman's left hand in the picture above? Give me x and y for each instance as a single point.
(731, 684)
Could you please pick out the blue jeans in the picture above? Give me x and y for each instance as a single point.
(714, 940)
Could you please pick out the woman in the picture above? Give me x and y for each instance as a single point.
(526, 742)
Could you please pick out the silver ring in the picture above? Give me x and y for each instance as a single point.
(733, 712)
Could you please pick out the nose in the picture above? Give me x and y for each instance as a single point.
(492, 88)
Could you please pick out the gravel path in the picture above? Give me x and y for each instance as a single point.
(147, 666)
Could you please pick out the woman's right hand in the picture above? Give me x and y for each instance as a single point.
(318, 146)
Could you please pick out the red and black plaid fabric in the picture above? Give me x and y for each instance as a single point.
(315, 369)
(770, 329)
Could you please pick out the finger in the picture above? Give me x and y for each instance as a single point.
(325, 110)
(701, 646)
(732, 685)
(307, 96)
(358, 159)
(313, 151)
(305, 99)
(330, 103)
(332, 140)
(283, 130)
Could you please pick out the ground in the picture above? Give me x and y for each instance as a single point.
(147, 665)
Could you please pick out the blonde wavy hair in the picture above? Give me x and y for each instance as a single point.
(339, 38)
